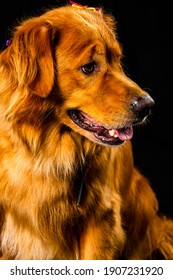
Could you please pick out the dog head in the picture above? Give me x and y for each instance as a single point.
(71, 59)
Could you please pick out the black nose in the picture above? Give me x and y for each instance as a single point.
(142, 106)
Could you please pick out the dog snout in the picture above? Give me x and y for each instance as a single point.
(142, 106)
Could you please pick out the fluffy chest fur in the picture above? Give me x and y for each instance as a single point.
(48, 207)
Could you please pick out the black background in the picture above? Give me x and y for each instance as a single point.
(144, 31)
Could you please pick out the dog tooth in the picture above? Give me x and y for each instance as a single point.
(115, 135)
(111, 132)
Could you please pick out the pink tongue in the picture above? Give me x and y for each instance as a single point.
(125, 133)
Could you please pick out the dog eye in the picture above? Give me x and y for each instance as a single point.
(89, 67)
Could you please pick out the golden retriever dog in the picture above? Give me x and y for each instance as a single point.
(68, 186)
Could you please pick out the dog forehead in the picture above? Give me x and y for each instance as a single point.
(79, 27)
(82, 21)
(81, 15)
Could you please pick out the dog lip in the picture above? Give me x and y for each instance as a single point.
(105, 135)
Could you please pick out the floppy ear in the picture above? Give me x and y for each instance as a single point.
(31, 47)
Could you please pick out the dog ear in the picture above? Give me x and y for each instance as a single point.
(32, 46)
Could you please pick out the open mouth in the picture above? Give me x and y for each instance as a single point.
(112, 136)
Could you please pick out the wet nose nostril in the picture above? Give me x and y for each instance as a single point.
(142, 106)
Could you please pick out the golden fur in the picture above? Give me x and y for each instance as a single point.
(70, 59)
